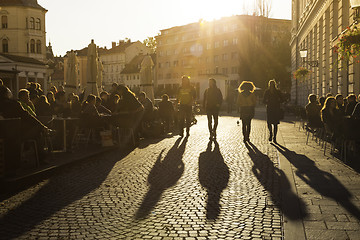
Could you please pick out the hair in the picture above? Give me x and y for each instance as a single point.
(329, 95)
(43, 99)
(98, 100)
(116, 97)
(246, 86)
(165, 97)
(338, 96)
(312, 98)
(185, 78)
(4, 92)
(22, 93)
(114, 84)
(76, 97)
(59, 94)
(104, 93)
(328, 102)
(51, 95)
(54, 88)
(352, 97)
(90, 98)
(213, 80)
(1, 82)
(272, 81)
(124, 90)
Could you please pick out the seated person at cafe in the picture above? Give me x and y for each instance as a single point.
(330, 117)
(351, 103)
(105, 101)
(340, 104)
(130, 109)
(90, 116)
(148, 107)
(61, 106)
(75, 106)
(101, 108)
(166, 111)
(313, 112)
(356, 112)
(30, 128)
(24, 100)
(42, 107)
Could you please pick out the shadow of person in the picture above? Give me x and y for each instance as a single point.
(323, 182)
(61, 190)
(214, 176)
(269, 175)
(163, 175)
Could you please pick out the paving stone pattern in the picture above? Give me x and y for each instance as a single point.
(171, 188)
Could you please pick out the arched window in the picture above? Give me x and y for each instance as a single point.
(38, 24)
(38, 46)
(4, 22)
(32, 46)
(5, 46)
(32, 23)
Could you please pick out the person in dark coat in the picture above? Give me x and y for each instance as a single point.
(340, 104)
(331, 117)
(272, 100)
(30, 128)
(186, 96)
(351, 103)
(313, 112)
(166, 111)
(246, 102)
(42, 107)
(212, 102)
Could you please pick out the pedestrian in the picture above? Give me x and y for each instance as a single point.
(166, 111)
(272, 100)
(185, 97)
(246, 102)
(212, 102)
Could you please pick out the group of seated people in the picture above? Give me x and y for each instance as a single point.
(332, 112)
(32, 105)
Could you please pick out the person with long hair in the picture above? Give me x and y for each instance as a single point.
(273, 99)
(212, 102)
(246, 102)
(330, 116)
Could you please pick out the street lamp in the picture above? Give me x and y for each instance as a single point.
(303, 55)
(355, 4)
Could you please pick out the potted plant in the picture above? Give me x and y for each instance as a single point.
(301, 72)
(348, 45)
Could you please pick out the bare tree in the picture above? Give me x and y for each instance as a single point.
(263, 8)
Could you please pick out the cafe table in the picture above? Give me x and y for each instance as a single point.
(65, 121)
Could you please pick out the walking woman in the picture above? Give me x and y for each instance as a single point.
(272, 100)
(246, 101)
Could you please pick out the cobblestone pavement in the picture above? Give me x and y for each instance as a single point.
(171, 188)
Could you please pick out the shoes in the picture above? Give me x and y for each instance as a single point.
(181, 133)
(274, 140)
(270, 137)
(187, 133)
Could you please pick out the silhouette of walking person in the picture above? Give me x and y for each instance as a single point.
(214, 176)
(246, 101)
(164, 174)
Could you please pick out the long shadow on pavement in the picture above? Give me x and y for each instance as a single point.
(268, 175)
(214, 176)
(164, 174)
(323, 182)
(62, 189)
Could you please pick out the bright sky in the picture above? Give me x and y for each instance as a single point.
(71, 24)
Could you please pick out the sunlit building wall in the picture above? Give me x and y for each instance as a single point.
(316, 26)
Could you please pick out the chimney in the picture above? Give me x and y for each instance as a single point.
(113, 44)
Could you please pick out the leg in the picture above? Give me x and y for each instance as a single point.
(275, 131)
(188, 116)
(248, 128)
(181, 120)
(244, 125)
(216, 122)
(270, 131)
(209, 117)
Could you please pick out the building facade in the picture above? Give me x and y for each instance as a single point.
(22, 31)
(316, 27)
(224, 49)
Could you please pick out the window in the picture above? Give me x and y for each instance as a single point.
(225, 57)
(234, 55)
(38, 25)
(32, 23)
(32, 46)
(5, 46)
(4, 22)
(208, 46)
(38, 46)
(235, 41)
(226, 43)
(168, 76)
(217, 44)
(176, 63)
(167, 64)
(225, 71)
(225, 28)
(216, 58)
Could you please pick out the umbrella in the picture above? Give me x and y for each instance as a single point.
(72, 81)
(146, 81)
(92, 70)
